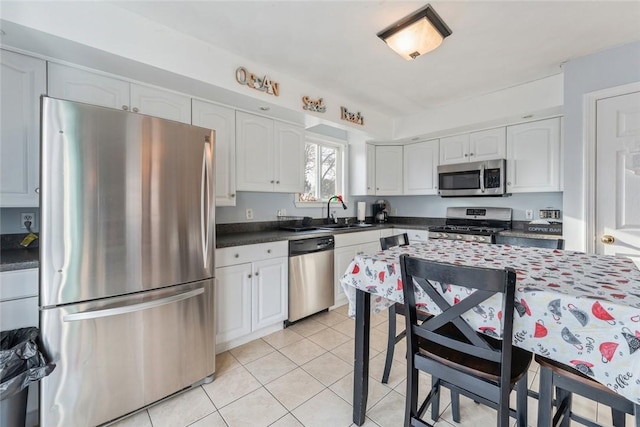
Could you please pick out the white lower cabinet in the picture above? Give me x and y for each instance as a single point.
(347, 247)
(251, 292)
(414, 235)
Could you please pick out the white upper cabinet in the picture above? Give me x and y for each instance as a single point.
(421, 168)
(23, 80)
(454, 149)
(533, 156)
(370, 152)
(471, 147)
(223, 121)
(289, 157)
(80, 85)
(269, 155)
(389, 170)
(488, 144)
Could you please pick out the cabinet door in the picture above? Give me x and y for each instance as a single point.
(533, 156)
(23, 80)
(454, 149)
(254, 153)
(342, 257)
(160, 103)
(421, 167)
(79, 85)
(371, 169)
(488, 144)
(270, 292)
(389, 170)
(233, 302)
(223, 121)
(289, 158)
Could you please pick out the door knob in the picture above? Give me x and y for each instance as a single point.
(607, 239)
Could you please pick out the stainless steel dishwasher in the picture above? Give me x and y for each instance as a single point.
(311, 279)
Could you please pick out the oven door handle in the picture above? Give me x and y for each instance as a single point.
(482, 178)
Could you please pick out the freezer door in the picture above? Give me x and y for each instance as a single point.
(127, 202)
(120, 354)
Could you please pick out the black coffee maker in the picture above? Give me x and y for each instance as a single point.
(380, 211)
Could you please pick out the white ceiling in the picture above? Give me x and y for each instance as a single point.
(333, 44)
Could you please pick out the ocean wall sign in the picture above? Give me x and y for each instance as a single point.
(263, 84)
(352, 117)
(315, 105)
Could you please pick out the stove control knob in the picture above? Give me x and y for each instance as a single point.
(482, 239)
(473, 238)
(459, 237)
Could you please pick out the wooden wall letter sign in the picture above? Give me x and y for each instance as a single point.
(349, 116)
(315, 105)
(263, 84)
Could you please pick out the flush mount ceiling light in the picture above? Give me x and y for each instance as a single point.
(416, 34)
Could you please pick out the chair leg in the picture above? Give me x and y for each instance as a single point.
(435, 401)
(411, 400)
(563, 396)
(521, 400)
(545, 404)
(391, 344)
(455, 406)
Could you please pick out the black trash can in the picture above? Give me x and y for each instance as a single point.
(21, 364)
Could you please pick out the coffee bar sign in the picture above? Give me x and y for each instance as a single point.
(263, 84)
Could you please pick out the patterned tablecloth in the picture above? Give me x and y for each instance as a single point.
(579, 309)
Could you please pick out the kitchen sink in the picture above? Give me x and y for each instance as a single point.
(342, 226)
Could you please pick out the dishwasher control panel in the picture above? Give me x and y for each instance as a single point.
(315, 244)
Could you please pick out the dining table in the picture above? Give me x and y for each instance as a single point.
(579, 309)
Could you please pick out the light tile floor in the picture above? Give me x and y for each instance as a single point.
(303, 376)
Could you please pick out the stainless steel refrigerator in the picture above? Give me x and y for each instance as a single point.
(126, 262)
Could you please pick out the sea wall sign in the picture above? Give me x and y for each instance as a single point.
(263, 84)
(352, 117)
(315, 105)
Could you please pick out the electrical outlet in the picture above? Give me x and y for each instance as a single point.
(27, 217)
(529, 213)
(249, 213)
(282, 212)
(395, 211)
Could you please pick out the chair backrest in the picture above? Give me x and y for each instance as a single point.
(391, 241)
(430, 276)
(530, 242)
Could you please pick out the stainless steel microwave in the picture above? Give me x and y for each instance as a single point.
(485, 178)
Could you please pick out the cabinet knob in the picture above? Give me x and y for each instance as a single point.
(508, 183)
(237, 255)
(466, 155)
(233, 195)
(249, 276)
(37, 190)
(257, 274)
(277, 182)
(268, 251)
(368, 188)
(135, 109)
(471, 154)
(607, 239)
(272, 181)
(377, 188)
(125, 107)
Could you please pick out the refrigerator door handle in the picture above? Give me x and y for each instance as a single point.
(205, 201)
(116, 311)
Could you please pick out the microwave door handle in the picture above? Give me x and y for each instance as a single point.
(482, 178)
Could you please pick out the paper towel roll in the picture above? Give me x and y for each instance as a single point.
(362, 206)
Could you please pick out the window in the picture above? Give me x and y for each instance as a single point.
(323, 170)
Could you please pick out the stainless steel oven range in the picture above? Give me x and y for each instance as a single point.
(473, 224)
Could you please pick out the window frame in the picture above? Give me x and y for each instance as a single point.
(341, 168)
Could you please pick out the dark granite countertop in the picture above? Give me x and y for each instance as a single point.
(15, 257)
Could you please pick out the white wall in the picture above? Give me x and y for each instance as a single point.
(613, 67)
(541, 97)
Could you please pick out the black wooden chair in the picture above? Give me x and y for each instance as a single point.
(397, 308)
(568, 381)
(482, 368)
(531, 242)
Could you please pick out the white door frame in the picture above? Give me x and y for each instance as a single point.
(589, 130)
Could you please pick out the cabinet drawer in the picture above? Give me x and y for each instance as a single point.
(18, 284)
(358, 238)
(19, 313)
(248, 253)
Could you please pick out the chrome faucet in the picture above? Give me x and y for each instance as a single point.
(339, 198)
